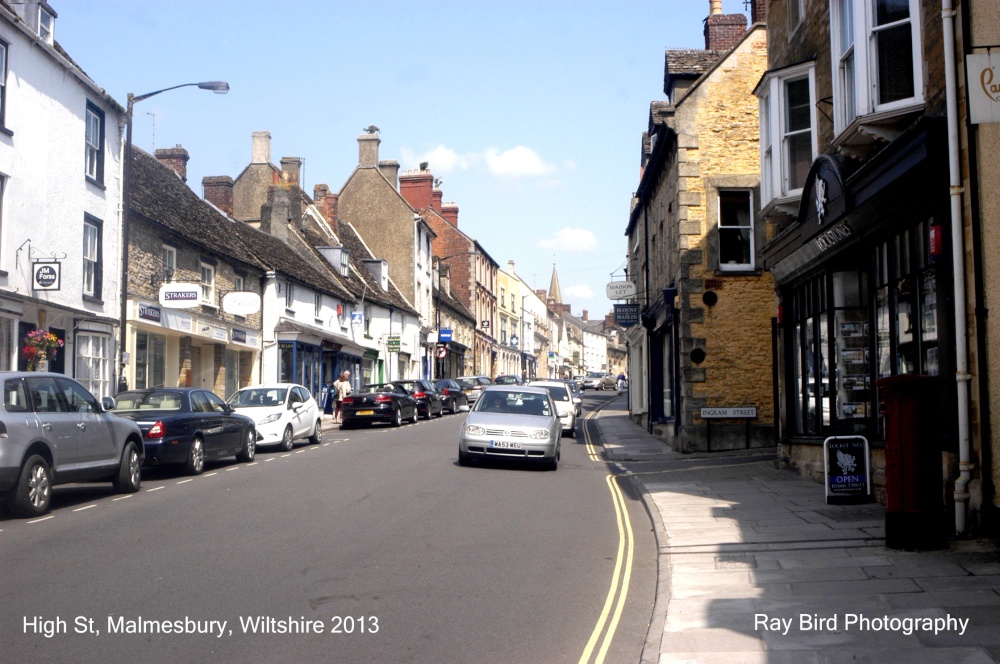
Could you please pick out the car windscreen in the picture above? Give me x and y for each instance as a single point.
(258, 396)
(513, 403)
(558, 392)
(128, 401)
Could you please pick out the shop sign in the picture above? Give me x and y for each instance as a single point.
(213, 332)
(239, 336)
(46, 276)
(444, 335)
(149, 312)
(392, 345)
(983, 87)
(834, 236)
(626, 315)
(241, 303)
(173, 320)
(180, 296)
(746, 412)
(620, 290)
(845, 461)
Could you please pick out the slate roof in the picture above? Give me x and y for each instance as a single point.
(160, 197)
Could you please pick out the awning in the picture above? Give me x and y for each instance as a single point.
(293, 330)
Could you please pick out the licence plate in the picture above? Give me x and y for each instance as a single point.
(506, 444)
(366, 412)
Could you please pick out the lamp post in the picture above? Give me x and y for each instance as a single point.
(218, 87)
(437, 307)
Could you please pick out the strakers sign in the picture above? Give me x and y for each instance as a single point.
(180, 296)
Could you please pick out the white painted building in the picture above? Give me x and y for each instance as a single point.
(61, 141)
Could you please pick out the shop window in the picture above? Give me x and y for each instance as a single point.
(93, 362)
(8, 346)
(150, 360)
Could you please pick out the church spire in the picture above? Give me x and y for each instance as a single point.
(554, 293)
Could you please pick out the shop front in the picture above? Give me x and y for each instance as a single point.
(863, 278)
(314, 357)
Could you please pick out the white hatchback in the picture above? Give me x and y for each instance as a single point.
(563, 399)
(282, 413)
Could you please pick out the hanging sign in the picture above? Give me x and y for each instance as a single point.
(241, 303)
(180, 296)
(626, 315)
(46, 276)
(620, 290)
(983, 86)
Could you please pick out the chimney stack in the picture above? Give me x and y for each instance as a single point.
(219, 192)
(390, 170)
(585, 318)
(261, 150)
(176, 158)
(758, 11)
(723, 31)
(415, 187)
(326, 202)
(436, 196)
(449, 211)
(368, 150)
(291, 169)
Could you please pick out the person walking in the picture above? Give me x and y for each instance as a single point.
(622, 380)
(341, 388)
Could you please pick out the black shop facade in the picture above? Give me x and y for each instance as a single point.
(864, 279)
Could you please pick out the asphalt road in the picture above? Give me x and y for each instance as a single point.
(374, 546)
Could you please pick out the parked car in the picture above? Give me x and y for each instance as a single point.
(53, 431)
(599, 380)
(577, 391)
(426, 395)
(281, 413)
(513, 422)
(188, 426)
(383, 402)
(563, 400)
(474, 385)
(453, 397)
(507, 379)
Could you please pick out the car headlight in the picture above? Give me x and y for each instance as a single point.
(270, 418)
(474, 430)
(540, 434)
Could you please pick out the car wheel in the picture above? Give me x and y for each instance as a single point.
(33, 493)
(416, 416)
(249, 450)
(441, 410)
(553, 463)
(287, 442)
(464, 458)
(196, 457)
(397, 417)
(129, 474)
(454, 407)
(317, 435)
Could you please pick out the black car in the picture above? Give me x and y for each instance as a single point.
(453, 397)
(383, 402)
(426, 395)
(188, 426)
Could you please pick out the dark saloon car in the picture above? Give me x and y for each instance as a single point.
(426, 395)
(453, 397)
(383, 402)
(184, 425)
(508, 379)
(53, 431)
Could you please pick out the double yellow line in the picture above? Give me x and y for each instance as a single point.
(607, 623)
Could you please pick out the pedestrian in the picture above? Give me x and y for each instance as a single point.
(341, 389)
(622, 381)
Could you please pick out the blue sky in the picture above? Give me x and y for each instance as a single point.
(531, 112)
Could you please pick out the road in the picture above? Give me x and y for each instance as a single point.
(373, 546)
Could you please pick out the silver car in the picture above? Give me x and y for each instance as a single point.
(565, 406)
(53, 431)
(513, 422)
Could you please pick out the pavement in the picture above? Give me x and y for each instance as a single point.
(755, 567)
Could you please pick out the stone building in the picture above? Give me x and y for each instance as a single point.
(706, 305)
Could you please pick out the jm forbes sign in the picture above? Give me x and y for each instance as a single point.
(46, 276)
(620, 290)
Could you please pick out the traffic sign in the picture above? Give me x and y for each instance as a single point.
(441, 352)
(392, 345)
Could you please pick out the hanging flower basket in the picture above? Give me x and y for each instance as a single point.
(40, 346)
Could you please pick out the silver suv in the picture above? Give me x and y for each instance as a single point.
(599, 380)
(53, 431)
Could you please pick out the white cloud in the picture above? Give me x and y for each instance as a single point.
(570, 239)
(579, 292)
(516, 162)
(441, 159)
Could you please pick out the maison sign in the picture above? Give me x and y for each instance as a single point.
(620, 290)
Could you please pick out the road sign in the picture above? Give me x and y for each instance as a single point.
(620, 290)
(392, 345)
(441, 352)
(357, 318)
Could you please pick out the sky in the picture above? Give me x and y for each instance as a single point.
(530, 112)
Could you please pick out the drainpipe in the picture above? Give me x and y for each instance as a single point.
(962, 376)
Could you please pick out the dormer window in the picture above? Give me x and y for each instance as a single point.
(344, 262)
(46, 24)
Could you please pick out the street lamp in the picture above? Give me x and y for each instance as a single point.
(437, 307)
(219, 88)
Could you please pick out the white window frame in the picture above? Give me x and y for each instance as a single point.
(737, 267)
(3, 83)
(91, 257)
(774, 137)
(93, 137)
(168, 256)
(207, 284)
(796, 14)
(345, 257)
(93, 362)
(317, 304)
(46, 25)
(865, 51)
